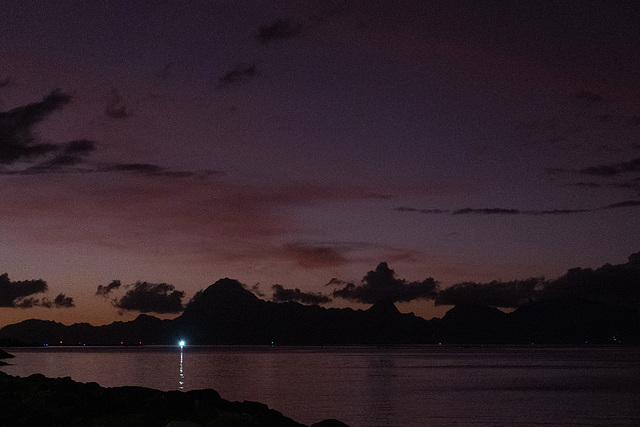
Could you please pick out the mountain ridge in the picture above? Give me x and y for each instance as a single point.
(226, 313)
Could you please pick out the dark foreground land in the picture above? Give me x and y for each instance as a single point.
(40, 401)
(4, 355)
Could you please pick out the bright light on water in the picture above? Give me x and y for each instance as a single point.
(181, 343)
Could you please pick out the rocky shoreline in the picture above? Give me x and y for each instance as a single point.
(4, 355)
(37, 401)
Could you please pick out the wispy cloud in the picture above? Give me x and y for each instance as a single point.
(278, 30)
(238, 74)
(281, 294)
(510, 211)
(17, 141)
(315, 256)
(116, 108)
(613, 169)
(589, 96)
(105, 290)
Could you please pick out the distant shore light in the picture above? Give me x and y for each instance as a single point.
(181, 343)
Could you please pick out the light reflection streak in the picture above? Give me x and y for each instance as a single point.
(181, 382)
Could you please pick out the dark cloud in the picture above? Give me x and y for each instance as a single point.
(614, 284)
(424, 211)
(17, 141)
(18, 293)
(281, 294)
(587, 185)
(60, 301)
(116, 109)
(501, 211)
(151, 297)
(532, 212)
(486, 211)
(19, 145)
(614, 169)
(589, 96)
(497, 294)
(625, 204)
(142, 168)
(255, 289)
(382, 285)
(106, 290)
(167, 72)
(633, 184)
(63, 301)
(238, 74)
(312, 256)
(70, 154)
(278, 30)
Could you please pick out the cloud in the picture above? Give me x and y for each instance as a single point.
(116, 109)
(5, 82)
(60, 301)
(238, 74)
(510, 211)
(589, 96)
(382, 285)
(255, 289)
(18, 293)
(613, 169)
(70, 154)
(167, 72)
(194, 298)
(106, 290)
(281, 294)
(311, 257)
(625, 204)
(278, 30)
(17, 141)
(63, 301)
(614, 284)
(19, 145)
(151, 297)
(497, 294)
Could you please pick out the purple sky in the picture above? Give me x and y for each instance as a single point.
(292, 142)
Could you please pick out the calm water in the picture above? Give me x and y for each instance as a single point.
(362, 386)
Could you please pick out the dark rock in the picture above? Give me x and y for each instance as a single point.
(38, 400)
(5, 355)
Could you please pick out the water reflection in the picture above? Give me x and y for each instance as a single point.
(181, 381)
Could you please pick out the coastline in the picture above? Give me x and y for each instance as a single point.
(38, 400)
(4, 355)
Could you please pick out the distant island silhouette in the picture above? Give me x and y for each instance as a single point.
(226, 313)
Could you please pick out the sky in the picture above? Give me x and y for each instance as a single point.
(152, 148)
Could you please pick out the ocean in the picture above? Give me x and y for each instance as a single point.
(371, 386)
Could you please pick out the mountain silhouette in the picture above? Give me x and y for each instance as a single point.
(227, 313)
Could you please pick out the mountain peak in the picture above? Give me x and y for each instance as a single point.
(384, 307)
(224, 295)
